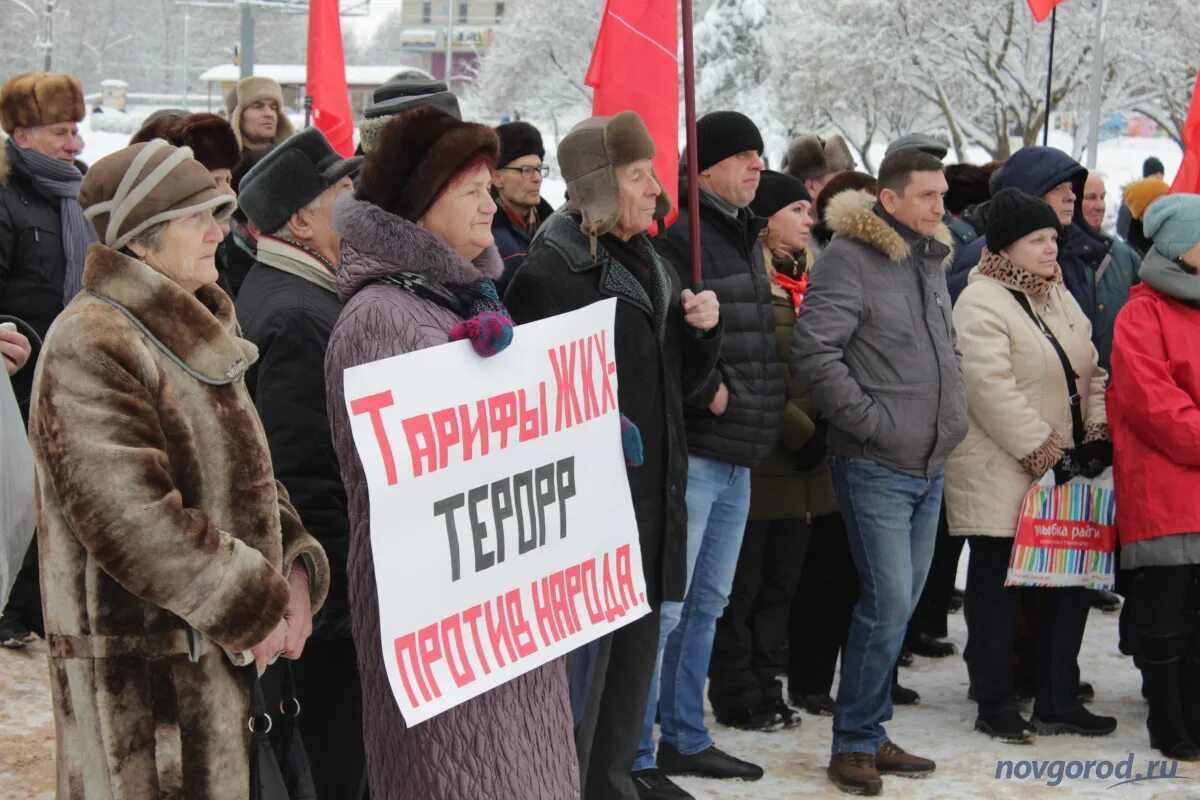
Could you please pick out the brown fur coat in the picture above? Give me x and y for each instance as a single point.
(161, 530)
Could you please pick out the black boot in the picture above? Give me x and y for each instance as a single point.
(1189, 686)
(1161, 669)
(1006, 726)
(1080, 721)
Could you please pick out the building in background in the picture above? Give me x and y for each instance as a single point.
(362, 80)
(468, 23)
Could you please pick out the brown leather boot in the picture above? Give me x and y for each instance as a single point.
(892, 760)
(855, 773)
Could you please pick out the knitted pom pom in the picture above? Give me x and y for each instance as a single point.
(631, 443)
(489, 332)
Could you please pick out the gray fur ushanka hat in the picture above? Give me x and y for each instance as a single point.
(589, 156)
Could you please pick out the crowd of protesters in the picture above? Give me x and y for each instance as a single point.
(872, 372)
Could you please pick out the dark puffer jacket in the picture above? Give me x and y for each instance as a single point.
(514, 741)
(33, 266)
(732, 264)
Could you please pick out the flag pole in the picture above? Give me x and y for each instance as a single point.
(1049, 78)
(689, 113)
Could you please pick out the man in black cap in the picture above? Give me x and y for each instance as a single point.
(918, 141)
(402, 94)
(520, 208)
(731, 423)
(287, 306)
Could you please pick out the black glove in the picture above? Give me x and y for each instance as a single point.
(1066, 468)
(1094, 457)
(1088, 460)
(810, 455)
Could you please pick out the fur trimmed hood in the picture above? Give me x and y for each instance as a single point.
(852, 214)
(376, 244)
(4, 167)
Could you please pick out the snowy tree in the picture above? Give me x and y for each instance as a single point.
(535, 67)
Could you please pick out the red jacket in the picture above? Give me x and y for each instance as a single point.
(1154, 416)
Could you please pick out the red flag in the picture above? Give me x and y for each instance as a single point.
(635, 67)
(1042, 8)
(326, 77)
(1187, 180)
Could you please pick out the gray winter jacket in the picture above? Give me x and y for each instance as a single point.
(874, 343)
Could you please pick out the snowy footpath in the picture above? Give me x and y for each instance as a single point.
(940, 728)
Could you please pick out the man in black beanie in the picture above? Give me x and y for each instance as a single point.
(287, 306)
(731, 423)
(517, 182)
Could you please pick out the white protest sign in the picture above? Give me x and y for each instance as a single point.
(502, 527)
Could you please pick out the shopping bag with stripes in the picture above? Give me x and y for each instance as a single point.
(1066, 535)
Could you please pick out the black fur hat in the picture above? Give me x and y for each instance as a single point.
(290, 177)
(418, 153)
(518, 139)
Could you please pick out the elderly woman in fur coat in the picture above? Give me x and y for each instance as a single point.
(417, 268)
(172, 561)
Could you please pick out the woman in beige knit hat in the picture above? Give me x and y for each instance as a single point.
(172, 560)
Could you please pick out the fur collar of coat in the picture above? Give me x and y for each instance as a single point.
(376, 244)
(852, 214)
(197, 331)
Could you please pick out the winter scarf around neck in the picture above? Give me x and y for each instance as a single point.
(1166, 276)
(61, 181)
(1001, 268)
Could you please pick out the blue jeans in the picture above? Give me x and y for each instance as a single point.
(718, 502)
(892, 523)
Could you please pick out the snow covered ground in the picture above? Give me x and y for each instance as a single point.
(941, 728)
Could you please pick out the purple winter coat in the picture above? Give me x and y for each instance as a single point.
(514, 742)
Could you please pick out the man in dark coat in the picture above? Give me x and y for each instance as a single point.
(666, 343)
(732, 424)
(43, 239)
(517, 182)
(287, 306)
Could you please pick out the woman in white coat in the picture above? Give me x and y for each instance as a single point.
(1017, 327)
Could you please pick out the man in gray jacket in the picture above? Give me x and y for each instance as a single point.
(874, 346)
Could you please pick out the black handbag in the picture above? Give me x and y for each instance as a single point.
(279, 768)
